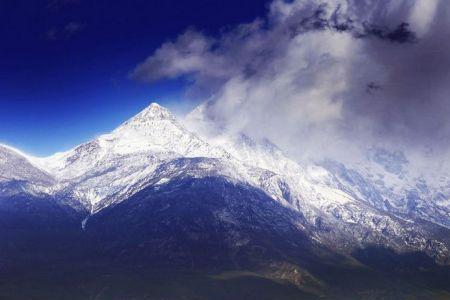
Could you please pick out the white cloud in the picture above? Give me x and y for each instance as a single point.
(422, 15)
(322, 77)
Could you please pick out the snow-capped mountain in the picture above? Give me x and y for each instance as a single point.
(110, 164)
(169, 194)
(339, 206)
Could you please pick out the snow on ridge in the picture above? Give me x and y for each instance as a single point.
(16, 165)
(33, 160)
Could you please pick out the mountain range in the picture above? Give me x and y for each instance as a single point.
(161, 208)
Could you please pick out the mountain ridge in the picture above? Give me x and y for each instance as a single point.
(147, 150)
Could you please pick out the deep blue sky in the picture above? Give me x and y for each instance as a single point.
(64, 64)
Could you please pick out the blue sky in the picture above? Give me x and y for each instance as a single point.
(65, 64)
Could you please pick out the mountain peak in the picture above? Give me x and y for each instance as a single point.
(154, 112)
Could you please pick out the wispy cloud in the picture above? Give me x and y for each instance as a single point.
(65, 32)
(324, 76)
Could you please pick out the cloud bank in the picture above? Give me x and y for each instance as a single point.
(324, 77)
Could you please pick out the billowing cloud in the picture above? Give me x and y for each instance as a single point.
(323, 77)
